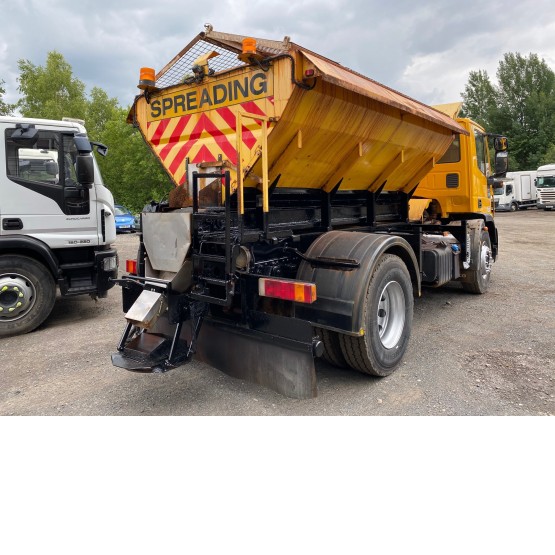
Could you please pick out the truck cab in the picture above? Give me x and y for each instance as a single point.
(458, 182)
(545, 187)
(57, 220)
(504, 195)
(516, 191)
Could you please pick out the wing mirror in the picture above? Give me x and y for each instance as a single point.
(84, 167)
(501, 163)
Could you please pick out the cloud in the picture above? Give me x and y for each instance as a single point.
(424, 49)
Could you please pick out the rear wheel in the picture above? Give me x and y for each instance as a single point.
(388, 320)
(332, 347)
(27, 294)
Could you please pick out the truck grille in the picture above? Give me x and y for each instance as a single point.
(547, 195)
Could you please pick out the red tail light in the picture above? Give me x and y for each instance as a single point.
(131, 266)
(287, 289)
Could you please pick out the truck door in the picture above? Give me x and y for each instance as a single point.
(526, 187)
(43, 198)
(480, 172)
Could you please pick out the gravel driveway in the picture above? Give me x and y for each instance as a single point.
(469, 355)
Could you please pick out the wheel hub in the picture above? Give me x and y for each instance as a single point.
(486, 260)
(391, 314)
(16, 296)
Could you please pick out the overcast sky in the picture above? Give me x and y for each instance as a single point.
(424, 49)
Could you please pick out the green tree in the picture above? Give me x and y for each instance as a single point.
(100, 109)
(549, 155)
(130, 170)
(519, 80)
(52, 91)
(479, 98)
(521, 105)
(5, 108)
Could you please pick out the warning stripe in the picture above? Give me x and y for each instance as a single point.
(175, 139)
(159, 132)
(175, 136)
(204, 124)
(229, 117)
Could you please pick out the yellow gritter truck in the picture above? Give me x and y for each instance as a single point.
(311, 205)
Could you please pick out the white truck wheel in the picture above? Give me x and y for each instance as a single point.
(27, 294)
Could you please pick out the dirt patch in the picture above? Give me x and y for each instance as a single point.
(522, 378)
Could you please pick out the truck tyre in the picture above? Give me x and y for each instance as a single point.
(478, 277)
(333, 353)
(27, 294)
(388, 310)
(514, 207)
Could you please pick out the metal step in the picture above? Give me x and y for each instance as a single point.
(209, 258)
(215, 281)
(80, 290)
(76, 265)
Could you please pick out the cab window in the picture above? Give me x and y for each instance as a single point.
(38, 164)
(46, 166)
(481, 157)
(453, 153)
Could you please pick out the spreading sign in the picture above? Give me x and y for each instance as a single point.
(215, 94)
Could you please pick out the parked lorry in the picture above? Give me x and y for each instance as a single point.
(545, 186)
(294, 230)
(57, 220)
(516, 191)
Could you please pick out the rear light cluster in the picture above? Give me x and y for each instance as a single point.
(131, 267)
(287, 289)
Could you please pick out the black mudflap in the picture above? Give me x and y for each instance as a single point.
(286, 367)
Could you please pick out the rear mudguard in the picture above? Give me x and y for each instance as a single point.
(341, 294)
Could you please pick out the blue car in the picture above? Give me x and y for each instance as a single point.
(124, 220)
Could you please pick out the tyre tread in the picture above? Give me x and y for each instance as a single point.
(354, 348)
(333, 353)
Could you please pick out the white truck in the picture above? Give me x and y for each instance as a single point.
(57, 220)
(515, 191)
(545, 185)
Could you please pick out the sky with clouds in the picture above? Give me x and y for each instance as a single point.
(424, 49)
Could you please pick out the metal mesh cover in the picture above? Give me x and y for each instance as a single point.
(175, 74)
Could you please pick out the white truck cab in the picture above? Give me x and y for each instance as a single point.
(57, 221)
(516, 191)
(503, 195)
(545, 186)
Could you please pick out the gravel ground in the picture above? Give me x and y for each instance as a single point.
(469, 355)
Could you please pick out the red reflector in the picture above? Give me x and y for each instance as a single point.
(287, 289)
(309, 73)
(131, 266)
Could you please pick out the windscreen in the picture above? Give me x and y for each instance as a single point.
(548, 181)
